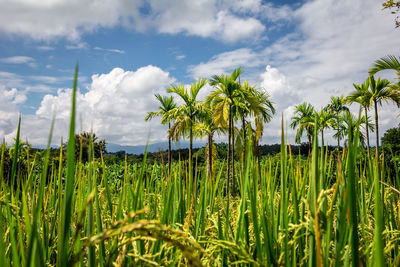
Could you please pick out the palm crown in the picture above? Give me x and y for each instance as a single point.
(303, 117)
(185, 115)
(167, 104)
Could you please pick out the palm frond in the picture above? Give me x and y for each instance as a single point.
(389, 62)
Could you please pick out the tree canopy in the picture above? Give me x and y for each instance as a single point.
(83, 140)
(394, 6)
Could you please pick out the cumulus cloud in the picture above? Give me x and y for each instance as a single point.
(219, 19)
(206, 18)
(277, 85)
(114, 106)
(226, 62)
(283, 95)
(333, 46)
(45, 20)
(9, 99)
(338, 42)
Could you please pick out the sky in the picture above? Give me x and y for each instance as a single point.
(128, 50)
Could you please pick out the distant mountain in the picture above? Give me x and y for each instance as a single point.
(152, 147)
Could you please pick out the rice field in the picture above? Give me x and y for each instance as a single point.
(329, 209)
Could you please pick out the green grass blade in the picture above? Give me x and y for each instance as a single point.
(64, 233)
(15, 156)
(379, 258)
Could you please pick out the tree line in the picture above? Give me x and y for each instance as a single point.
(233, 102)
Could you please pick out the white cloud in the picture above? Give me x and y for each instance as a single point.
(180, 57)
(45, 48)
(46, 20)
(10, 80)
(50, 79)
(206, 18)
(115, 105)
(118, 51)
(333, 46)
(18, 60)
(284, 96)
(339, 42)
(32, 83)
(9, 99)
(77, 46)
(260, 8)
(226, 62)
(276, 84)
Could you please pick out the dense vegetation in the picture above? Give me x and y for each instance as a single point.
(325, 208)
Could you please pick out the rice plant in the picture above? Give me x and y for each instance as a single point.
(327, 209)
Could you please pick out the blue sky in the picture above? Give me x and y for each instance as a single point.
(128, 50)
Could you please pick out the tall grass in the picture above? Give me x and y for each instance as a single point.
(318, 211)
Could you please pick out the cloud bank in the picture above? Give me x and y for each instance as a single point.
(225, 20)
(114, 106)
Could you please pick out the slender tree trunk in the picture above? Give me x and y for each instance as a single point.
(233, 160)
(367, 133)
(309, 144)
(169, 150)
(338, 148)
(210, 144)
(228, 163)
(377, 137)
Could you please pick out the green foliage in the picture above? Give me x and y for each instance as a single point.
(394, 6)
(82, 143)
(303, 118)
(122, 212)
(291, 210)
(391, 148)
(391, 140)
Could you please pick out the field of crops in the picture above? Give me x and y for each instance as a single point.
(328, 209)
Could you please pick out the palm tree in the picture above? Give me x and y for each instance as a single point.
(256, 103)
(325, 121)
(386, 63)
(82, 143)
(242, 109)
(337, 106)
(167, 104)
(362, 96)
(381, 91)
(303, 118)
(206, 126)
(222, 100)
(186, 115)
(349, 121)
(262, 111)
